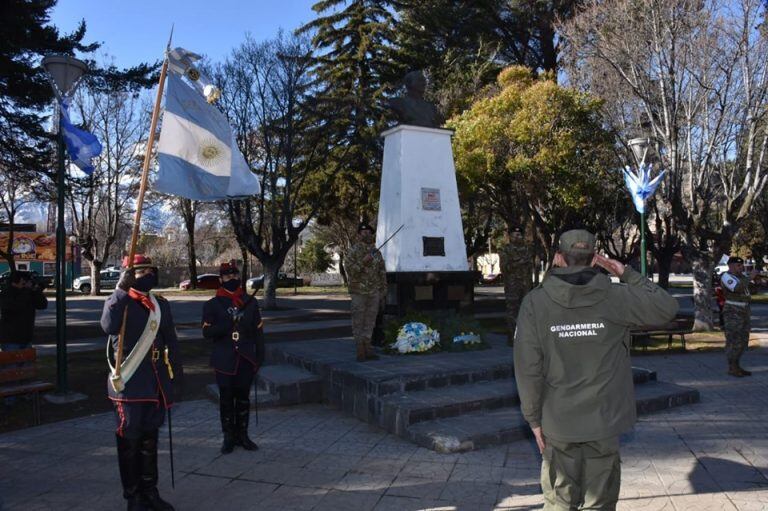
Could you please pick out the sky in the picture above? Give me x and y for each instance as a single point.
(134, 31)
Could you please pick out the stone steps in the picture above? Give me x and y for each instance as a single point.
(281, 385)
(488, 427)
(401, 410)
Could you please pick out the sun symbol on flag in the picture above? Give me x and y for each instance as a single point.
(211, 153)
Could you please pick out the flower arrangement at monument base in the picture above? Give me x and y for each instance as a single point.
(416, 337)
(467, 339)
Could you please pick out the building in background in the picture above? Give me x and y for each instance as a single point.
(36, 251)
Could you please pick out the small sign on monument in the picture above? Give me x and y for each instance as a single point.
(430, 199)
(433, 246)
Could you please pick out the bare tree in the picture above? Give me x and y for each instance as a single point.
(694, 77)
(266, 94)
(102, 202)
(15, 193)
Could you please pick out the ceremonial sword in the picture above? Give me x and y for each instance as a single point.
(393, 235)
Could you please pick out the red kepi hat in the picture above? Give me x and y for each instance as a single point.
(139, 261)
(228, 269)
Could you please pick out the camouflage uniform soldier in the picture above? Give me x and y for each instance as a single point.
(367, 288)
(736, 314)
(515, 262)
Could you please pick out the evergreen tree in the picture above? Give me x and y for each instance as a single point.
(352, 67)
(25, 92)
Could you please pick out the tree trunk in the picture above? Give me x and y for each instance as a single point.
(664, 260)
(702, 291)
(192, 260)
(246, 271)
(270, 285)
(342, 271)
(96, 277)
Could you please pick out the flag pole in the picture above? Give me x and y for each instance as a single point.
(140, 199)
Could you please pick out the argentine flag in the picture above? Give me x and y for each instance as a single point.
(82, 146)
(197, 154)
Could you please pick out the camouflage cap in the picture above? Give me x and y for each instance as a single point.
(577, 242)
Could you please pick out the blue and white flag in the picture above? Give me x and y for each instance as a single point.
(197, 154)
(640, 185)
(82, 146)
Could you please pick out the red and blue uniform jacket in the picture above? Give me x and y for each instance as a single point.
(218, 325)
(152, 379)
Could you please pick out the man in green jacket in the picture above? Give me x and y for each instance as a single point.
(573, 369)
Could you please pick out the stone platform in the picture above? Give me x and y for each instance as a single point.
(448, 402)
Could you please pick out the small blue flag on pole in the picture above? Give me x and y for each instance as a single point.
(82, 146)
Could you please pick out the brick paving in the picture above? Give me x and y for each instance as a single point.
(708, 456)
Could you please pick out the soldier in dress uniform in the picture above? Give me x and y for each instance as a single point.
(367, 289)
(233, 322)
(516, 270)
(736, 313)
(151, 368)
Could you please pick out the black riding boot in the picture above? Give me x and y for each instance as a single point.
(129, 460)
(149, 494)
(227, 415)
(242, 414)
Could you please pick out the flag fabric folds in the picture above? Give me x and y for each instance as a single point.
(640, 185)
(82, 145)
(197, 154)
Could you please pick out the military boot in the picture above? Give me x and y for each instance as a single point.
(733, 369)
(129, 460)
(227, 416)
(361, 352)
(369, 353)
(242, 416)
(150, 497)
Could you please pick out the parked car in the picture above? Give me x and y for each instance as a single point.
(43, 281)
(108, 279)
(204, 281)
(283, 280)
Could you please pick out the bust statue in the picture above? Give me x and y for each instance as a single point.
(413, 108)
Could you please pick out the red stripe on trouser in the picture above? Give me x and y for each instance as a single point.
(121, 414)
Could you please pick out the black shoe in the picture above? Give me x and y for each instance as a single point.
(743, 371)
(371, 356)
(228, 445)
(135, 504)
(152, 500)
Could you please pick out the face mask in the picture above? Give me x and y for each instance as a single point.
(146, 282)
(231, 285)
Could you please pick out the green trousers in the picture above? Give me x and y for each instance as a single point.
(581, 476)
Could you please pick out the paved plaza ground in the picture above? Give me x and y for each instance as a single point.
(708, 456)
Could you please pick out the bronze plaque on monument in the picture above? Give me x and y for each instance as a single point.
(433, 246)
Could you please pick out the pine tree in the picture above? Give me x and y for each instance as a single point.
(353, 45)
(26, 95)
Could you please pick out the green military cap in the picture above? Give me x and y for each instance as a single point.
(577, 242)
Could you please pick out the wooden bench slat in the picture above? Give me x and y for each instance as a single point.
(15, 390)
(16, 356)
(17, 373)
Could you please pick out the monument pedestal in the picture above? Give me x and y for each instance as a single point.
(426, 261)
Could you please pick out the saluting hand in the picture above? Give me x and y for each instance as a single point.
(614, 267)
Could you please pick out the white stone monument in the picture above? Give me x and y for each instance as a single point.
(418, 191)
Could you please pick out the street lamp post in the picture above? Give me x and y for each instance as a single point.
(65, 73)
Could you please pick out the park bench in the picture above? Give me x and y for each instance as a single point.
(680, 326)
(18, 373)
